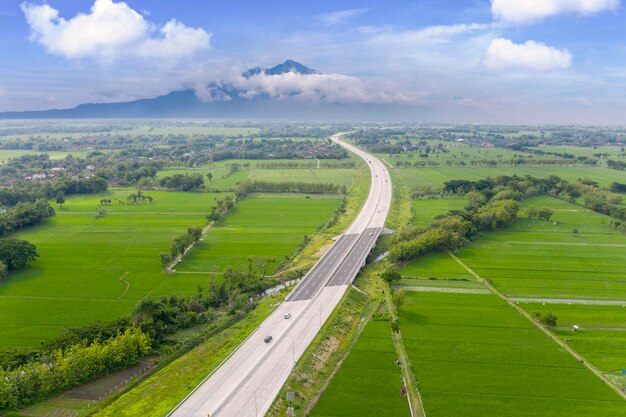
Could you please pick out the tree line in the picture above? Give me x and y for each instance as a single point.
(180, 245)
(63, 369)
(183, 182)
(24, 214)
(80, 355)
(258, 186)
(492, 204)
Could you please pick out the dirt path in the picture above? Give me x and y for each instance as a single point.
(414, 397)
(541, 327)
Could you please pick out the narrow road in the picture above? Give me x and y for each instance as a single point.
(246, 384)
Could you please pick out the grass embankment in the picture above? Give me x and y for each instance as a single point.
(323, 355)
(158, 394)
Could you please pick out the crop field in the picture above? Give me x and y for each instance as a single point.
(456, 152)
(533, 258)
(601, 337)
(436, 176)
(223, 180)
(369, 381)
(426, 210)
(264, 226)
(322, 175)
(473, 355)
(6, 154)
(97, 269)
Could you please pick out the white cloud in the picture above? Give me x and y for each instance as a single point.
(313, 88)
(528, 11)
(430, 34)
(110, 31)
(340, 16)
(504, 54)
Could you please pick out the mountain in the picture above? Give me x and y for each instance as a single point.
(284, 68)
(230, 104)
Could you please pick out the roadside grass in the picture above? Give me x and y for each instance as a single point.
(368, 382)
(474, 356)
(162, 391)
(262, 226)
(325, 352)
(92, 270)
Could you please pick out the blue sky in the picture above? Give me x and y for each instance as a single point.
(509, 61)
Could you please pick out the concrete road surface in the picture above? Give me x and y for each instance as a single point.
(246, 384)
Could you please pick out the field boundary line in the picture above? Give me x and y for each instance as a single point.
(410, 380)
(408, 398)
(574, 301)
(450, 290)
(122, 280)
(541, 327)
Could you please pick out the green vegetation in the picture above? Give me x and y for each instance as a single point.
(160, 392)
(16, 253)
(541, 259)
(98, 269)
(474, 356)
(68, 368)
(426, 210)
(24, 214)
(369, 381)
(265, 227)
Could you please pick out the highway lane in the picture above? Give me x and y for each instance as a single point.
(249, 380)
(316, 277)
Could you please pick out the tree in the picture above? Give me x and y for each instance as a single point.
(60, 199)
(16, 253)
(549, 320)
(390, 275)
(209, 176)
(395, 326)
(398, 297)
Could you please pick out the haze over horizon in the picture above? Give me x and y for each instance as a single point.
(498, 61)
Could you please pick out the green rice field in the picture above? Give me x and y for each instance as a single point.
(426, 210)
(98, 269)
(473, 355)
(533, 258)
(263, 226)
(369, 381)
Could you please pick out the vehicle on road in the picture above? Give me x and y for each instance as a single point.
(287, 316)
(268, 339)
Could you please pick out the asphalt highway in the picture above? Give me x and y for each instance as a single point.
(247, 382)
